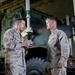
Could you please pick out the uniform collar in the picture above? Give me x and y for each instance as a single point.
(16, 30)
(54, 31)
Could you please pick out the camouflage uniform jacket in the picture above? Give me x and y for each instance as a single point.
(13, 50)
(59, 48)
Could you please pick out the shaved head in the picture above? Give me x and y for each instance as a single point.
(19, 24)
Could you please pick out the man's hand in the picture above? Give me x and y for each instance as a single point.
(47, 70)
(60, 64)
(27, 43)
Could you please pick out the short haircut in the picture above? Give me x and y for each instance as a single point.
(50, 18)
(19, 19)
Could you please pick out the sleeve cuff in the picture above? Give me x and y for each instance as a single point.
(62, 59)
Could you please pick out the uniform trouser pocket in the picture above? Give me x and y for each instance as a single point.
(58, 71)
(15, 69)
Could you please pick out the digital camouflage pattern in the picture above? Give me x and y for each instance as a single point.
(15, 54)
(59, 51)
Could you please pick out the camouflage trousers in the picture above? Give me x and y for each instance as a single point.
(58, 71)
(15, 69)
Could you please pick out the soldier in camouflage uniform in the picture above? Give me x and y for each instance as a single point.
(14, 48)
(59, 48)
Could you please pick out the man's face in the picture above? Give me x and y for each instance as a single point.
(22, 25)
(49, 24)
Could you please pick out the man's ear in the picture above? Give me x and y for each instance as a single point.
(17, 23)
(52, 22)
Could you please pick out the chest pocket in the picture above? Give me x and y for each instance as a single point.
(57, 44)
(18, 38)
(52, 40)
